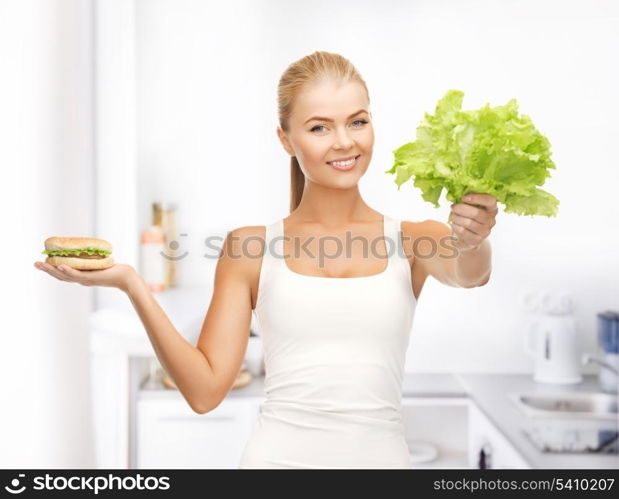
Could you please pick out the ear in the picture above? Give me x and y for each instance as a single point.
(284, 140)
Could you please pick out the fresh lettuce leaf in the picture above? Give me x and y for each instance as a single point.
(71, 252)
(488, 150)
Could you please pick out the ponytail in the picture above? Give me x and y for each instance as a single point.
(297, 182)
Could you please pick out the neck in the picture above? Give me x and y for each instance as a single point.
(332, 207)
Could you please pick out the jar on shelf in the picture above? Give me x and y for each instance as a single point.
(152, 263)
(164, 218)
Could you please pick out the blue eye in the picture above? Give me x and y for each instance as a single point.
(319, 126)
(363, 122)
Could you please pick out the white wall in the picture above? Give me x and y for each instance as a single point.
(115, 136)
(47, 189)
(207, 76)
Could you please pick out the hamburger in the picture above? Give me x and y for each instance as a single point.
(82, 253)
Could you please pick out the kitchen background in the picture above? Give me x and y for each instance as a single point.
(109, 106)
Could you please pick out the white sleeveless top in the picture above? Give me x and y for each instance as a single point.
(334, 353)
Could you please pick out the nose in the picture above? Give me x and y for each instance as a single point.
(342, 140)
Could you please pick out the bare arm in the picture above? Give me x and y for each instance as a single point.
(474, 267)
(205, 373)
(469, 260)
(225, 332)
(437, 255)
(187, 365)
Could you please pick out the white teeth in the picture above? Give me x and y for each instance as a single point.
(343, 163)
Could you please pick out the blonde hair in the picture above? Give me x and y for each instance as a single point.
(298, 75)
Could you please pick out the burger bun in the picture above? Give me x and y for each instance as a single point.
(81, 263)
(68, 243)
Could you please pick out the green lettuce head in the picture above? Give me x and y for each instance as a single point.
(489, 150)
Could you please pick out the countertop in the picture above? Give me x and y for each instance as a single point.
(490, 393)
(414, 385)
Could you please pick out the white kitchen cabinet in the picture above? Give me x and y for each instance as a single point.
(488, 445)
(442, 422)
(171, 435)
(120, 351)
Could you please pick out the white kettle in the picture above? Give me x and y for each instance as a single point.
(553, 342)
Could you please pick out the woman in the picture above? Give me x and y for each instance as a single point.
(335, 315)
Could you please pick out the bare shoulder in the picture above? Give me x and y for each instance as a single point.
(423, 232)
(244, 245)
(423, 238)
(242, 253)
(251, 236)
(426, 230)
(434, 252)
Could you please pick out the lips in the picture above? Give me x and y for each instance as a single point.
(344, 159)
(345, 167)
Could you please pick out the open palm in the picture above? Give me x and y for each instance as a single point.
(116, 276)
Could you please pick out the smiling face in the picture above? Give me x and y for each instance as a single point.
(325, 126)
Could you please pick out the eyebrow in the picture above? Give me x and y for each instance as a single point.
(320, 118)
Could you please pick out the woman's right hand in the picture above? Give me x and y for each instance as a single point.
(117, 276)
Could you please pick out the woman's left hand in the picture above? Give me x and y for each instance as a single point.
(472, 220)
